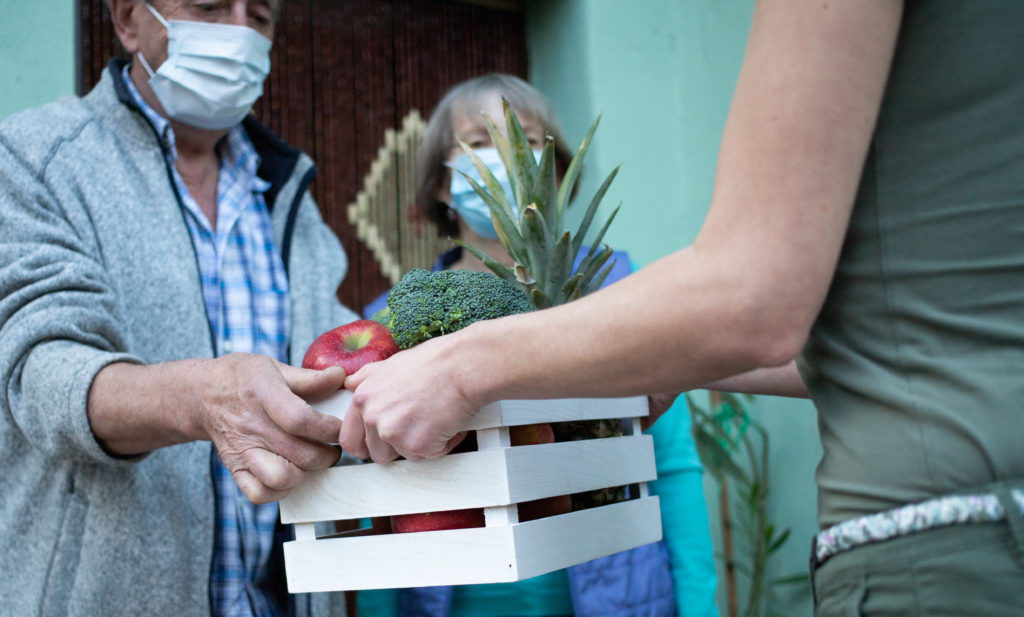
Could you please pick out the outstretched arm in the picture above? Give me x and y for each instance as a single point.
(792, 153)
(252, 407)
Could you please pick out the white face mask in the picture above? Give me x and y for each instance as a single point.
(213, 73)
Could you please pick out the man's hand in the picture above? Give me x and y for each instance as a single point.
(404, 407)
(252, 408)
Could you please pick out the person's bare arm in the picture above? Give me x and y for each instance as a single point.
(252, 408)
(773, 381)
(782, 380)
(755, 278)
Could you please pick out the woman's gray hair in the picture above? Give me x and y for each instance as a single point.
(439, 136)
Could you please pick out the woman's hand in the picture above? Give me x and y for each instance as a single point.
(420, 418)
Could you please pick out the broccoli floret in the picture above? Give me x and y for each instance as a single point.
(424, 304)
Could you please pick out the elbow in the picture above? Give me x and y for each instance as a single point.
(781, 345)
(772, 329)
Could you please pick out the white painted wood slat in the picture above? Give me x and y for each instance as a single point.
(468, 556)
(495, 477)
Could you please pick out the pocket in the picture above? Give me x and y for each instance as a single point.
(63, 569)
(841, 601)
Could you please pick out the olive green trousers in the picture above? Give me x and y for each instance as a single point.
(958, 571)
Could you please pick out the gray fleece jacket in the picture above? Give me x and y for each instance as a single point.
(97, 266)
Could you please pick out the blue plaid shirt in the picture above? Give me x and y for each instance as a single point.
(246, 293)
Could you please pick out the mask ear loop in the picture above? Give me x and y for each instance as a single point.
(145, 64)
(163, 22)
(159, 17)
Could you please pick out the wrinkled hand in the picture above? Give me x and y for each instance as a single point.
(657, 405)
(408, 405)
(253, 409)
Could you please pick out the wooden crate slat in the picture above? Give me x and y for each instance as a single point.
(519, 412)
(470, 556)
(558, 542)
(495, 477)
(553, 469)
(466, 480)
(456, 556)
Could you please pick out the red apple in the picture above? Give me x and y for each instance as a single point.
(530, 434)
(548, 506)
(350, 346)
(434, 521)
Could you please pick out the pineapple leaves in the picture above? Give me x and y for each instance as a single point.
(538, 299)
(496, 193)
(503, 217)
(588, 216)
(571, 290)
(598, 280)
(502, 271)
(545, 187)
(600, 235)
(559, 265)
(523, 162)
(536, 236)
(574, 168)
(529, 222)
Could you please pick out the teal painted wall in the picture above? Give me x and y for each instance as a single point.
(37, 53)
(662, 72)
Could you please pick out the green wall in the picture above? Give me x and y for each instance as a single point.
(662, 72)
(37, 53)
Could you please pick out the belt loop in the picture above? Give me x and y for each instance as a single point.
(812, 567)
(1014, 519)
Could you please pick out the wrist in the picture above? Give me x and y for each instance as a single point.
(134, 409)
(478, 375)
(189, 418)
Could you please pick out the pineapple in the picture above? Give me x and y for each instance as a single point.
(530, 228)
(530, 222)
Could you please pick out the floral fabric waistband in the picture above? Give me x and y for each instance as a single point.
(913, 518)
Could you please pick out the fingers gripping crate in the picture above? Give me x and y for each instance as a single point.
(496, 477)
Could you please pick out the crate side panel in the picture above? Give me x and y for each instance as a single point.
(557, 542)
(517, 412)
(465, 480)
(451, 557)
(571, 467)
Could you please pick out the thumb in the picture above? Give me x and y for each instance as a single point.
(312, 384)
(352, 381)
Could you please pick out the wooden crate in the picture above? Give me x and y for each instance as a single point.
(496, 478)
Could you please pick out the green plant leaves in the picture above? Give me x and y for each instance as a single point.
(734, 449)
(530, 222)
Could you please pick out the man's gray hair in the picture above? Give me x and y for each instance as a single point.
(275, 6)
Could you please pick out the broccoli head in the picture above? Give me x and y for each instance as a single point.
(425, 304)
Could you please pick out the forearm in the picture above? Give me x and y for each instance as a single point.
(134, 409)
(609, 344)
(252, 407)
(775, 381)
(746, 293)
(743, 296)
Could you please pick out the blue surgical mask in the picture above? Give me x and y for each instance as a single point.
(470, 207)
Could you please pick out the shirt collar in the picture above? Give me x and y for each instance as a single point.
(237, 147)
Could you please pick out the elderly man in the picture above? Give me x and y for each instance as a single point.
(161, 262)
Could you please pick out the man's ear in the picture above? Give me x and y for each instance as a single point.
(125, 15)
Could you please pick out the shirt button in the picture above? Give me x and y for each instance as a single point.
(227, 346)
